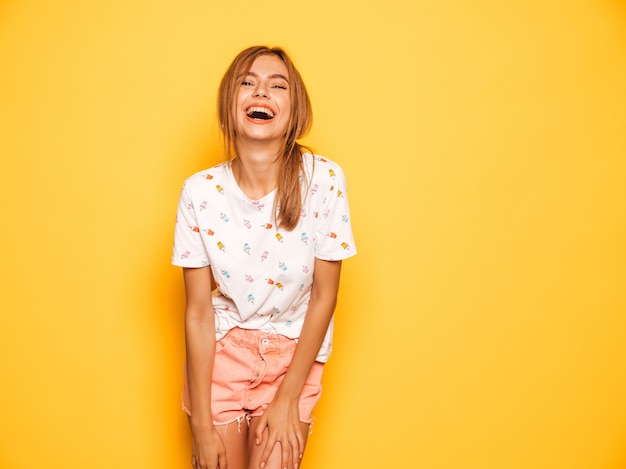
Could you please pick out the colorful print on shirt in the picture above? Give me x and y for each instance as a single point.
(263, 273)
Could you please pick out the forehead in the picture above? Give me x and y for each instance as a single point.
(268, 65)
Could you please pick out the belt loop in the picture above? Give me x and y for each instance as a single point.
(240, 334)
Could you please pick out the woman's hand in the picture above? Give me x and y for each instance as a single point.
(282, 417)
(208, 450)
(282, 421)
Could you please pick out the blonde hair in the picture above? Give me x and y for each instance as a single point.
(288, 202)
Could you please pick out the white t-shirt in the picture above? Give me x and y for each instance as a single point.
(263, 274)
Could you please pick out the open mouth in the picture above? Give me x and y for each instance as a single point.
(262, 113)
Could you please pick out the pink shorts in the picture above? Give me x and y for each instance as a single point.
(249, 366)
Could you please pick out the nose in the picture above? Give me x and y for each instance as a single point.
(260, 90)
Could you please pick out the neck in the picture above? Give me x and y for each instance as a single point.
(256, 173)
(258, 150)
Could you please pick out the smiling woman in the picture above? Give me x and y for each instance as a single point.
(267, 78)
(263, 104)
(270, 228)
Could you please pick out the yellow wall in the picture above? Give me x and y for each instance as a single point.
(481, 326)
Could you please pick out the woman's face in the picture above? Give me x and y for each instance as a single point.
(263, 102)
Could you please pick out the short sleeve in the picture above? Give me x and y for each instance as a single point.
(188, 250)
(335, 240)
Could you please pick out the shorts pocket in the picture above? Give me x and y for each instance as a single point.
(222, 345)
(313, 383)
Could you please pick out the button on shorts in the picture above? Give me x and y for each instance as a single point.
(248, 369)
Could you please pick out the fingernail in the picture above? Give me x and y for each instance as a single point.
(256, 440)
(262, 465)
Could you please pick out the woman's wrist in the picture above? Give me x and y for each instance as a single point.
(289, 390)
(203, 426)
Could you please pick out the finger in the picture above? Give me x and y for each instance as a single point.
(260, 429)
(221, 461)
(295, 453)
(265, 455)
(286, 453)
(300, 448)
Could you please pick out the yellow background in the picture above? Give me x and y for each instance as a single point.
(481, 326)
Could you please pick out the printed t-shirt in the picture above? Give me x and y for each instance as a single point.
(263, 273)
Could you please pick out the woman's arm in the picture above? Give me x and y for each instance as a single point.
(208, 449)
(282, 417)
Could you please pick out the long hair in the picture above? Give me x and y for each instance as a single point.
(288, 202)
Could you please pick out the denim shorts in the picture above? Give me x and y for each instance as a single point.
(248, 368)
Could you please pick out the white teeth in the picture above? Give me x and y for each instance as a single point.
(264, 110)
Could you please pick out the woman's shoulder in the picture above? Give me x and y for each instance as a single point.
(214, 174)
(313, 160)
(320, 167)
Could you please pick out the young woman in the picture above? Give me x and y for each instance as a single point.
(269, 228)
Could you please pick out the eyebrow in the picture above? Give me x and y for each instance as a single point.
(275, 75)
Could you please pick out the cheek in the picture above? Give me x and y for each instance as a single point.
(286, 108)
(239, 98)
(236, 108)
